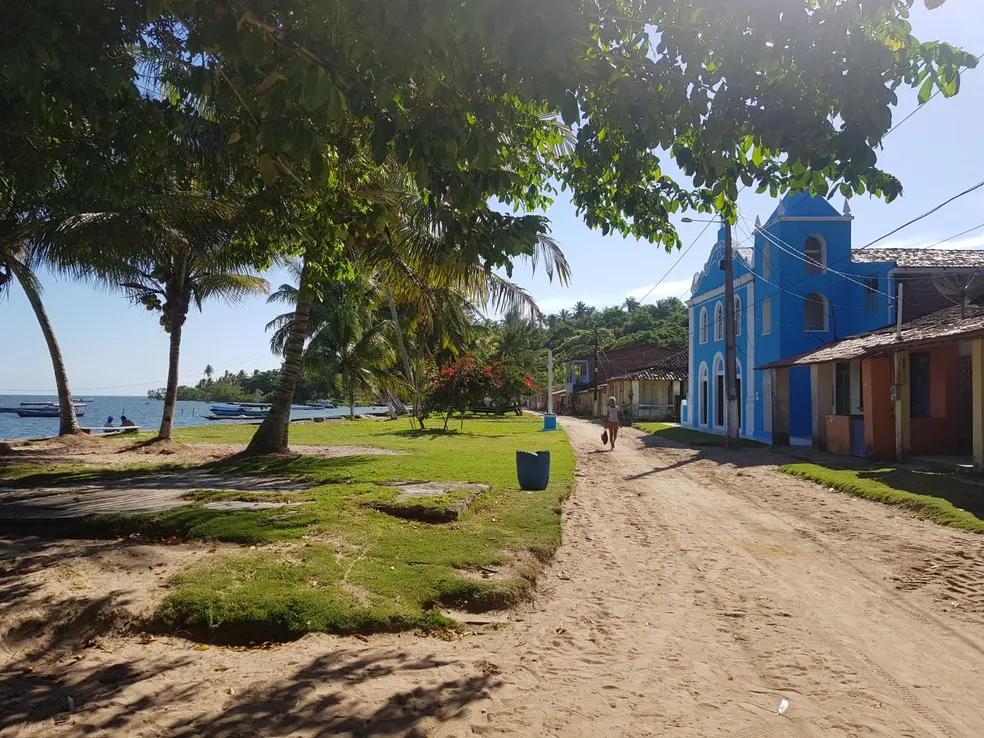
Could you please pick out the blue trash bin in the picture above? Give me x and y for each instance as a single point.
(533, 470)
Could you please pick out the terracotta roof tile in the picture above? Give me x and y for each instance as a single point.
(922, 258)
(939, 327)
(674, 368)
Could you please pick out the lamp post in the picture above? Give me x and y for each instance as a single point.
(730, 355)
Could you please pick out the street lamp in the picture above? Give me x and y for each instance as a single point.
(730, 357)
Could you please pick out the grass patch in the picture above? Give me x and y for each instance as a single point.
(339, 564)
(941, 497)
(690, 437)
(203, 496)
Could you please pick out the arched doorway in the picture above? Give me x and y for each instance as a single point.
(702, 400)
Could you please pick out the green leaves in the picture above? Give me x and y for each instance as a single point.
(268, 169)
(926, 91)
(569, 110)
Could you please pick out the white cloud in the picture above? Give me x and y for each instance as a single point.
(968, 241)
(675, 288)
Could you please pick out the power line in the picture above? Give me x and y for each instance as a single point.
(780, 244)
(918, 108)
(925, 215)
(677, 262)
(958, 235)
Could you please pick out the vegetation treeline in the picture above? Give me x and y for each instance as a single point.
(173, 150)
(240, 386)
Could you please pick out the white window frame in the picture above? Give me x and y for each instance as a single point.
(719, 321)
(702, 330)
(767, 316)
(738, 316)
(825, 303)
(767, 259)
(812, 264)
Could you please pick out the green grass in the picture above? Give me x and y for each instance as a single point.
(688, 436)
(942, 497)
(340, 565)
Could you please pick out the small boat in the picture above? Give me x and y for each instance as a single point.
(240, 411)
(51, 404)
(320, 405)
(46, 412)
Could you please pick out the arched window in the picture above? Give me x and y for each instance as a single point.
(767, 259)
(816, 255)
(815, 312)
(766, 316)
(719, 322)
(703, 325)
(737, 316)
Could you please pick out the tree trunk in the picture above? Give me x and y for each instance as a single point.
(411, 377)
(68, 423)
(352, 403)
(171, 393)
(273, 434)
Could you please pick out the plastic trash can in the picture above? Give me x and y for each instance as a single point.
(533, 470)
(549, 422)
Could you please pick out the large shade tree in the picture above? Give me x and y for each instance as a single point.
(169, 254)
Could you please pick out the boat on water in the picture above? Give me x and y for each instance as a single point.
(240, 411)
(78, 404)
(321, 405)
(46, 412)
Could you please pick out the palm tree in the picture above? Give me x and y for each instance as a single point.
(358, 360)
(166, 253)
(16, 262)
(349, 351)
(421, 265)
(580, 310)
(209, 371)
(631, 304)
(564, 315)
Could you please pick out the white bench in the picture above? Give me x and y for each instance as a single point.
(112, 430)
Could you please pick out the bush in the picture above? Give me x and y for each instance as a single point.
(465, 383)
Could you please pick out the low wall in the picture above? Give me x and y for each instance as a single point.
(838, 434)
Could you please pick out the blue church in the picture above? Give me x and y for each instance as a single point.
(797, 287)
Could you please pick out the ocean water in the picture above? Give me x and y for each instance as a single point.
(145, 413)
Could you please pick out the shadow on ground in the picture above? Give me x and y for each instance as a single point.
(319, 698)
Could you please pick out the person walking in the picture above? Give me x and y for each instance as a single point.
(612, 421)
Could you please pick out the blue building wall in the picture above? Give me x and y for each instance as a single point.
(774, 278)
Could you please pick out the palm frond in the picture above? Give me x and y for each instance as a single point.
(231, 287)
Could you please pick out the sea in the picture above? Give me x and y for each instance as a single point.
(145, 413)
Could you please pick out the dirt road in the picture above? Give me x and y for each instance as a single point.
(692, 594)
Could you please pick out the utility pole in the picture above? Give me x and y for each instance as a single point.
(730, 356)
(597, 407)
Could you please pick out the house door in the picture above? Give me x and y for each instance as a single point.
(767, 402)
(703, 402)
(719, 400)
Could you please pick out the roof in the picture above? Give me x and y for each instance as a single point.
(922, 258)
(939, 327)
(675, 368)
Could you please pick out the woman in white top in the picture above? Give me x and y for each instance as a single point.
(612, 421)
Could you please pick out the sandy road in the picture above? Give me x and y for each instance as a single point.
(692, 593)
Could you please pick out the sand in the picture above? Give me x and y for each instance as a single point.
(694, 592)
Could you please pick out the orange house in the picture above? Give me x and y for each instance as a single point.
(916, 389)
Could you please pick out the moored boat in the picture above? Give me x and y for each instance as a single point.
(240, 411)
(46, 412)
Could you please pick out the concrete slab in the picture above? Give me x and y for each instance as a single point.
(135, 496)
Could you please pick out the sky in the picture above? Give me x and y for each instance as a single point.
(113, 348)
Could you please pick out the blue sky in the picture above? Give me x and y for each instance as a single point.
(112, 348)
